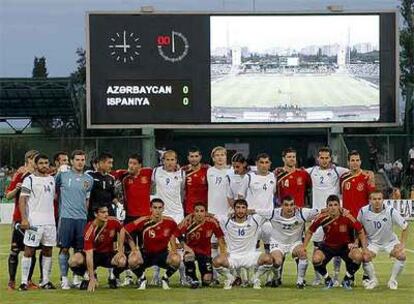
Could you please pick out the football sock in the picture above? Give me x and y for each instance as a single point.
(369, 270)
(224, 272)
(63, 264)
(13, 261)
(32, 267)
(337, 265)
(170, 271)
(26, 262)
(190, 270)
(302, 266)
(397, 269)
(262, 269)
(46, 268)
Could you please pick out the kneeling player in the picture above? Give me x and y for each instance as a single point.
(157, 233)
(99, 237)
(195, 233)
(287, 226)
(242, 231)
(378, 221)
(338, 241)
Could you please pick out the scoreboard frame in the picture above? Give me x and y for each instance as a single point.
(247, 125)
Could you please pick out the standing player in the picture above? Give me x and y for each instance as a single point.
(258, 188)
(378, 222)
(325, 181)
(36, 209)
(169, 187)
(136, 186)
(75, 188)
(99, 238)
(356, 185)
(103, 190)
(217, 189)
(292, 181)
(241, 233)
(60, 159)
(13, 191)
(235, 176)
(195, 233)
(196, 188)
(157, 233)
(288, 223)
(338, 241)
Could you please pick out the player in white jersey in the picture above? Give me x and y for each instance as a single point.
(169, 185)
(241, 233)
(38, 219)
(378, 221)
(258, 188)
(235, 177)
(325, 181)
(288, 224)
(218, 183)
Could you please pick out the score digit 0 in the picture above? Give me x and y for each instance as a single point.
(186, 100)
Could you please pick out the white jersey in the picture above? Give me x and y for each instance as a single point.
(379, 226)
(41, 193)
(324, 183)
(288, 230)
(169, 187)
(258, 190)
(217, 190)
(241, 238)
(235, 181)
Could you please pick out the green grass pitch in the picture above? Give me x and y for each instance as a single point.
(267, 90)
(284, 294)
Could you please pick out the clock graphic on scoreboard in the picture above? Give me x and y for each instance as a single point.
(124, 46)
(172, 47)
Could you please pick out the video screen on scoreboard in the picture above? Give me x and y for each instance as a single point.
(318, 68)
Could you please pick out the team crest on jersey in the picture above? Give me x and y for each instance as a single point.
(342, 228)
(144, 180)
(329, 174)
(299, 181)
(272, 182)
(112, 233)
(175, 177)
(360, 187)
(384, 219)
(85, 184)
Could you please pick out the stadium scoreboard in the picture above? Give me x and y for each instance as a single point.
(202, 70)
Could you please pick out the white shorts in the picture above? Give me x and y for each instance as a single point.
(283, 248)
(318, 235)
(45, 235)
(375, 248)
(246, 260)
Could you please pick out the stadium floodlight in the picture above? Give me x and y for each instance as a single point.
(147, 9)
(335, 8)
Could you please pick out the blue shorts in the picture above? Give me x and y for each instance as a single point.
(70, 233)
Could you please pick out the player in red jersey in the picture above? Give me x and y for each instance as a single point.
(157, 233)
(136, 191)
(13, 191)
(292, 181)
(338, 240)
(195, 233)
(196, 188)
(99, 237)
(356, 185)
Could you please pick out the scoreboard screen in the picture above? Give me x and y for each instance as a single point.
(229, 71)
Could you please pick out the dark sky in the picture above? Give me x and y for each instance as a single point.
(56, 28)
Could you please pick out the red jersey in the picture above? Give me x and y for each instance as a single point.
(294, 183)
(198, 236)
(155, 235)
(17, 178)
(339, 232)
(137, 191)
(101, 239)
(355, 191)
(196, 188)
